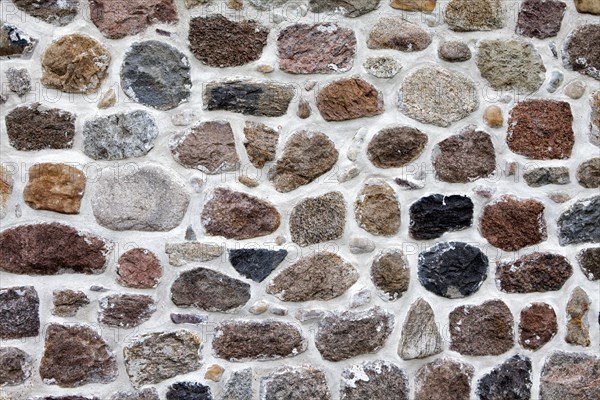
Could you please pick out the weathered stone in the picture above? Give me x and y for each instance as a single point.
(587, 6)
(537, 326)
(374, 380)
(320, 276)
(237, 215)
(144, 394)
(126, 310)
(18, 81)
(214, 373)
(239, 385)
(51, 249)
(377, 210)
(396, 147)
(348, 8)
(570, 376)
(541, 176)
(575, 89)
(349, 98)
(579, 53)
(420, 335)
(139, 268)
(14, 42)
(295, 383)
(260, 143)
(119, 136)
(16, 366)
(108, 99)
(55, 12)
(343, 335)
(191, 252)
(156, 75)
(482, 330)
(382, 66)
(250, 97)
(536, 272)
(360, 298)
(390, 274)
(492, 116)
(55, 187)
(155, 357)
(510, 380)
(248, 182)
(6, 188)
(68, 302)
(189, 391)
(318, 219)
(360, 245)
(454, 51)
(194, 319)
(265, 5)
(426, 6)
(398, 34)
(76, 355)
(432, 216)
(588, 173)
(307, 155)
(36, 127)
(540, 18)
(511, 223)
(444, 379)
(589, 261)
(256, 264)
(580, 222)
(419, 97)
(19, 312)
(304, 109)
(474, 15)
(578, 328)
(316, 49)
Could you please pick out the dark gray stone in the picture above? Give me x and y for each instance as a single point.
(188, 391)
(16, 366)
(19, 80)
(432, 216)
(178, 318)
(19, 312)
(580, 223)
(256, 264)
(542, 176)
(510, 380)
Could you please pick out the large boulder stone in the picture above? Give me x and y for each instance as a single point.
(374, 380)
(55, 187)
(349, 98)
(37, 127)
(318, 219)
(19, 312)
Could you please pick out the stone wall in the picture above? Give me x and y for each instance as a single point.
(281, 200)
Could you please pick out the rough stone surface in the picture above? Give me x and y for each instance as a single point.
(76, 355)
(209, 290)
(414, 5)
(260, 143)
(540, 18)
(578, 328)
(295, 383)
(320, 276)
(536, 272)
(493, 117)
(419, 97)
(382, 67)
(16, 366)
(144, 394)
(36, 127)
(588, 173)
(6, 188)
(19, 81)
(579, 54)
(390, 274)
(55, 12)
(347, 334)
(184, 253)
(396, 147)
(14, 42)
(595, 118)
(398, 34)
(19, 312)
(474, 15)
(238, 386)
(349, 98)
(377, 210)
(579, 223)
(126, 310)
(510, 380)
(256, 264)
(537, 325)
(444, 379)
(537, 177)
(55, 187)
(318, 219)
(570, 375)
(188, 391)
(432, 216)
(374, 380)
(420, 335)
(454, 51)
(481, 330)
(139, 268)
(348, 8)
(589, 261)
(68, 302)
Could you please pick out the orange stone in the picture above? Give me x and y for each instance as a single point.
(493, 117)
(55, 187)
(414, 5)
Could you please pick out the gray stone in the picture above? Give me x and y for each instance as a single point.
(454, 51)
(347, 8)
(125, 310)
(188, 390)
(575, 89)
(588, 173)
(444, 379)
(19, 80)
(360, 298)
(420, 334)
(510, 380)
(348, 174)
(16, 366)
(239, 385)
(542, 176)
(19, 312)
(595, 118)
(578, 327)
(267, 4)
(14, 42)
(192, 252)
(318, 219)
(295, 383)
(194, 319)
(382, 66)
(580, 223)
(378, 379)
(55, 12)
(556, 79)
(570, 376)
(474, 15)
(360, 245)
(144, 394)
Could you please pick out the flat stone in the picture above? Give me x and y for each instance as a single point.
(125, 310)
(19, 312)
(419, 97)
(425, 6)
(36, 127)
(349, 98)
(144, 394)
(420, 334)
(537, 325)
(249, 97)
(390, 274)
(156, 75)
(382, 67)
(316, 49)
(588, 173)
(512, 223)
(374, 380)
(360, 298)
(306, 156)
(540, 18)
(55, 12)
(18, 81)
(207, 146)
(139, 268)
(76, 355)
(587, 6)
(194, 319)
(16, 366)
(320, 276)
(482, 330)
(238, 386)
(184, 253)
(55, 187)
(14, 42)
(360, 245)
(295, 383)
(348, 174)
(260, 143)
(536, 272)
(265, 5)
(154, 357)
(578, 327)
(454, 51)
(318, 219)
(347, 8)
(579, 223)
(108, 99)
(347, 334)
(188, 390)
(589, 261)
(240, 340)
(51, 249)
(570, 375)
(510, 380)
(237, 215)
(537, 177)
(474, 15)
(377, 210)
(89, 397)
(444, 379)
(68, 302)
(396, 147)
(256, 264)
(432, 216)
(398, 34)
(141, 197)
(119, 136)
(579, 53)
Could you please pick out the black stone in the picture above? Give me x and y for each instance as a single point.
(19, 312)
(188, 391)
(432, 216)
(580, 223)
(509, 381)
(452, 269)
(256, 264)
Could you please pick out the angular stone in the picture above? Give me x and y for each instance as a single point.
(510, 380)
(420, 335)
(239, 385)
(295, 383)
(540, 18)
(249, 97)
(349, 98)
(570, 376)
(482, 330)
(55, 12)
(537, 326)
(19, 312)
(145, 197)
(209, 290)
(144, 394)
(55, 187)
(419, 97)
(125, 310)
(119, 136)
(396, 147)
(192, 252)
(154, 357)
(426, 6)
(454, 51)
(474, 15)
(542, 176)
(260, 143)
(382, 66)
(36, 127)
(51, 249)
(316, 49)
(139, 268)
(318, 219)
(390, 274)
(14, 42)
(589, 261)
(207, 146)
(541, 129)
(579, 52)
(237, 215)
(320, 276)
(588, 173)
(536, 272)
(68, 302)
(377, 210)
(348, 8)
(347, 334)
(16, 366)
(398, 34)
(578, 327)
(156, 75)
(432, 216)
(580, 223)
(587, 6)
(512, 223)
(188, 390)
(256, 264)
(18, 81)
(374, 380)
(76, 355)
(444, 379)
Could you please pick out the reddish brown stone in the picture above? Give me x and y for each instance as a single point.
(444, 379)
(35, 127)
(139, 268)
(261, 143)
(538, 325)
(56, 12)
(580, 52)
(399, 34)
(537, 272)
(589, 261)
(125, 310)
(19, 312)
(396, 147)
(68, 302)
(377, 209)
(55, 187)
(349, 98)
(540, 18)
(6, 188)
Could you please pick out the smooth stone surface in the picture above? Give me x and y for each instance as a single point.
(454, 51)
(360, 245)
(510, 380)
(19, 312)
(349, 98)
(537, 177)
(139, 268)
(575, 89)
(68, 302)
(382, 67)
(194, 319)
(579, 223)
(540, 18)
(579, 53)
(444, 379)
(256, 264)
(420, 335)
(55, 12)
(125, 310)
(318, 219)
(16, 366)
(578, 327)
(390, 274)
(14, 42)
(432, 216)
(260, 142)
(374, 380)
(589, 261)
(478, 15)
(397, 33)
(536, 272)
(376, 209)
(184, 253)
(587, 6)
(570, 375)
(537, 325)
(55, 187)
(396, 147)
(295, 383)
(556, 79)
(348, 8)
(37, 127)
(588, 173)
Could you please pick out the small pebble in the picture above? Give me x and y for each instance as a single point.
(348, 174)
(183, 118)
(197, 183)
(575, 89)
(214, 373)
(235, 4)
(360, 245)
(511, 168)
(309, 85)
(188, 318)
(190, 234)
(360, 298)
(97, 288)
(355, 146)
(553, 49)
(19, 80)
(260, 307)
(484, 191)
(556, 79)
(278, 310)
(308, 315)
(279, 240)
(408, 184)
(431, 20)
(109, 99)
(493, 116)
(247, 181)
(304, 109)
(265, 68)
(559, 197)
(382, 67)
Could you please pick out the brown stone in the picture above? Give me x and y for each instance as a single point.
(304, 109)
(398, 34)
(36, 127)
(536, 272)
(260, 143)
(139, 268)
(349, 98)
(444, 379)
(214, 373)
(588, 173)
(493, 117)
(14, 42)
(396, 147)
(16, 366)
(75, 356)
(240, 340)
(579, 52)
(68, 302)
(55, 12)
(540, 18)
(482, 330)
(318, 219)
(589, 261)
(19, 312)
(125, 310)
(570, 376)
(55, 187)
(474, 15)
(75, 64)
(290, 383)
(374, 380)
(537, 326)
(6, 188)
(377, 210)
(454, 51)
(426, 6)
(511, 223)
(578, 330)
(390, 274)
(587, 6)
(51, 249)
